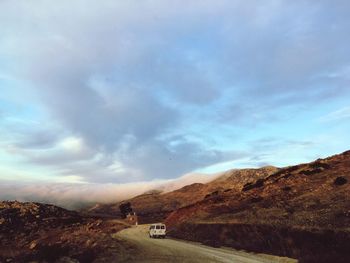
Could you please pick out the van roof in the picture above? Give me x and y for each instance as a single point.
(158, 224)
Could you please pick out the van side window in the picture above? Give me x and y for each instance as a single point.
(157, 227)
(152, 227)
(162, 227)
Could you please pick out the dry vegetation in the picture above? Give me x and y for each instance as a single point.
(33, 232)
(301, 211)
(156, 206)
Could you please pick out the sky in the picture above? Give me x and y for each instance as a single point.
(129, 95)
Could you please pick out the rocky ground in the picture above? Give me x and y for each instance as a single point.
(33, 232)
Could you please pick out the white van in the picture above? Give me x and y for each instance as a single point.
(157, 230)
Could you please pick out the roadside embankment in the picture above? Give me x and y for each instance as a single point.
(306, 245)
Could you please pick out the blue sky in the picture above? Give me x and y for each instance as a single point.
(135, 91)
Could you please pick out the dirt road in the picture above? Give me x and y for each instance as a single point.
(169, 250)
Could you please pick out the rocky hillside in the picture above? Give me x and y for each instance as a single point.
(156, 206)
(46, 233)
(300, 211)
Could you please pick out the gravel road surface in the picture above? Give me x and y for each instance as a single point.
(146, 249)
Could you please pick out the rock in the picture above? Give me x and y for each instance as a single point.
(88, 242)
(33, 245)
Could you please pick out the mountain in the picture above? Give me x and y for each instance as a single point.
(156, 205)
(34, 232)
(301, 211)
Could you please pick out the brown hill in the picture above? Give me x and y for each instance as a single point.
(33, 232)
(156, 206)
(300, 211)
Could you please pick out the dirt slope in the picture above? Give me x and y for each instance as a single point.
(301, 211)
(46, 233)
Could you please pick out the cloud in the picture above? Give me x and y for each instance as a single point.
(80, 195)
(105, 91)
(133, 91)
(337, 115)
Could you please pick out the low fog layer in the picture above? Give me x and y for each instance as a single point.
(76, 196)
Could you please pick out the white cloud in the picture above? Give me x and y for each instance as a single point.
(337, 115)
(72, 144)
(119, 80)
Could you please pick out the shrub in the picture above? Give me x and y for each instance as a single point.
(125, 209)
(256, 199)
(257, 184)
(310, 172)
(340, 181)
(286, 188)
